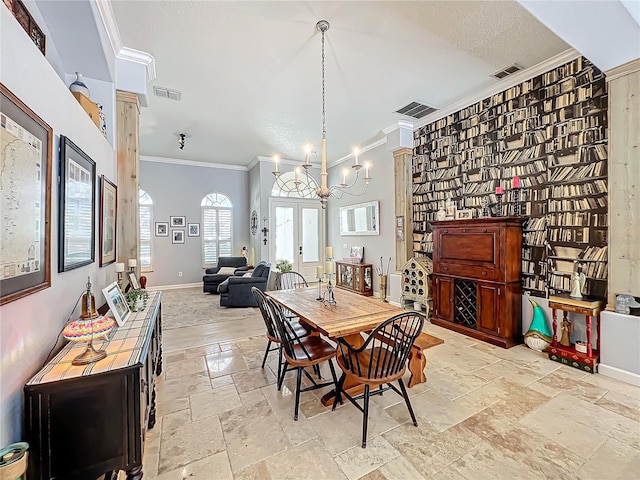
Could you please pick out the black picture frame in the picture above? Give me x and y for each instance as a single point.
(193, 229)
(24, 276)
(162, 229)
(177, 236)
(178, 222)
(108, 221)
(76, 207)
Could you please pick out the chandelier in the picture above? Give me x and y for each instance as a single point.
(304, 185)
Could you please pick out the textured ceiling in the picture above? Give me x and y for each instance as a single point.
(249, 72)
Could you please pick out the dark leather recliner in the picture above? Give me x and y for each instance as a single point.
(236, 291)
(213, 279)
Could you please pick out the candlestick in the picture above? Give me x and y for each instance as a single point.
(499, 190)
(329, 253)
(329, 268)
(515, 182)
(133, 263)
(319, 271)
(516, 201)
(499, 203)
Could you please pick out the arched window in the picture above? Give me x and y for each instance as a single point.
(216, 227)
(285, 185)
(145, 215)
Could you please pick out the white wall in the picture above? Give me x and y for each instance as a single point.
(382, 189)
(177, 190)
(30, 326)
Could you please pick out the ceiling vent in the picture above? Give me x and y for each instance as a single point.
(416, 110)
(167, 93)
(507, 71)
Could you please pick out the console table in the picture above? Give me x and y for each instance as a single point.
(355, 277)
(83, 421)
(590, 308)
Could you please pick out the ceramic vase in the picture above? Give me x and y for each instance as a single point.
(79, 86)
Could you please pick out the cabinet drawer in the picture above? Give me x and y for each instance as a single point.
(468, 271)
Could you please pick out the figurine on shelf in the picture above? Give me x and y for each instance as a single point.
(577, 281)
(567, 330)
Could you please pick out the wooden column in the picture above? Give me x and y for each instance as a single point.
(128, 142)
(403, 178)
(624, 180)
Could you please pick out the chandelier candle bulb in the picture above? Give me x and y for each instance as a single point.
(366, 170)
(329, 253)
(307, 160)
(329, 267)
(275, 159)
(355, 154)
(344, 176)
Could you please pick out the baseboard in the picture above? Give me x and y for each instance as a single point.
(175, 287)
(395, 304)
(618, 374)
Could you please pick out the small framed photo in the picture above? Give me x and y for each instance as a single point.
(357, 252)
(193, 229)
(399, 221)
(133, 280)
(162, 229)
(178, 236)
(117, 303)
(464, 214)
(178, 222)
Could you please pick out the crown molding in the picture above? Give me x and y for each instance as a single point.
(364, 149)
(505, 83)
(191, 163)
(138, 56)
(110, 25)
(284, 161)
(623, 70)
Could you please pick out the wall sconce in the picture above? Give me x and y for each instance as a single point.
(120, 271)
(265, 229)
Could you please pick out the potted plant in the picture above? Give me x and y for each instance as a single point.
(137, 299)
(284, 265)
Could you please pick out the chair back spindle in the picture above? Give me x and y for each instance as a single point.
(290, 280)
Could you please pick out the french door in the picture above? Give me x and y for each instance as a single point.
(297, 228)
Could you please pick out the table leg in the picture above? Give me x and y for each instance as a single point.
(417, 363)
(351, 385)
(555, 326)
(589, 351)
(598, 333)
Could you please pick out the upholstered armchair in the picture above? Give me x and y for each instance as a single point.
(236, 291)
(227, 266)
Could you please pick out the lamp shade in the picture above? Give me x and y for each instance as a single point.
(83, 330)
(119, 267)
(132, 262)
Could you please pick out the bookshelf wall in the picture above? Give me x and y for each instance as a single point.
(551, 131)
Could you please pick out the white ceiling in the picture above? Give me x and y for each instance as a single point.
(249, 72)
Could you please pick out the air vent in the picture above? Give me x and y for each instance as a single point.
(167, 93)
(416, 110)
(507, 71)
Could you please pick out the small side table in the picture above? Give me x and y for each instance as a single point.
(590, 308)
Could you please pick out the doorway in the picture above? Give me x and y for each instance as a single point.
(298, 234)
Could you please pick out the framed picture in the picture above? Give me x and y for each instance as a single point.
(399, 221)
(178, 222)
(117, 303)
(162, 229)
(178, 236)
(76, 212)
(133, 280)
(464, 214)
(25, 199)
(193, 229)
(108, 212)
(357, 252)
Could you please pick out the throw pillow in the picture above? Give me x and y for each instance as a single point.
(248, 274)
(226, 270)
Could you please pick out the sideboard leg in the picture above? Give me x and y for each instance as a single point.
(135, 473)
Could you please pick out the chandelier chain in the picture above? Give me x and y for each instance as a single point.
(324, 118)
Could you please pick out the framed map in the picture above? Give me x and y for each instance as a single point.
(25, 199)
(77, 202)
(108, 211)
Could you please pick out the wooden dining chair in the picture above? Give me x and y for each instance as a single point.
(290, 280)
(382, 359)
(273, 336)
(301, 352)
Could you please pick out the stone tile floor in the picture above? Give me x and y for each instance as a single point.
(484, 413)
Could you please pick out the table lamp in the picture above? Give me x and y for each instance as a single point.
(120, 271)
(84, 329)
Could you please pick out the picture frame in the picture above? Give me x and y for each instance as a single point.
(357, 252)
(162, 229)
(76, 207)
(133, 280)
(117, 303)
(24, 271)
(464, 214)
(177, 236)
(193, 229)
(177, 222)
(108, 219)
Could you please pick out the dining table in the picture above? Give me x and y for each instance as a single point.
(348, 318)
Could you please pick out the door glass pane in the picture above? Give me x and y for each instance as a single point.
(310, 234)
(284, 234)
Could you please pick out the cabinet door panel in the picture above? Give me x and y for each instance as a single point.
(443, 298)
(489, 308)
